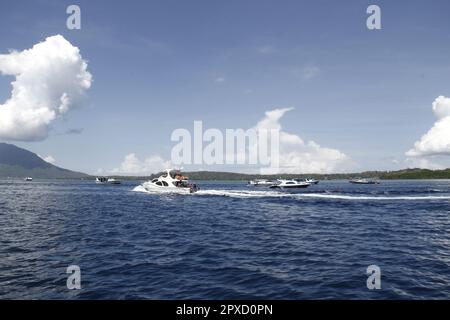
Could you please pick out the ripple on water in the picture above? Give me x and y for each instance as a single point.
(227, 241)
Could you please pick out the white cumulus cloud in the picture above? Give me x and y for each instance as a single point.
(132, 165)
(50, 79)
(297, 155)
(422, 163)
(437, 140)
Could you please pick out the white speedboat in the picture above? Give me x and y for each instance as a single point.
(28, 179)
(170, 181)
(364, 181)
(290, 184)
(262, 183)
(106, 180)
(113, 181)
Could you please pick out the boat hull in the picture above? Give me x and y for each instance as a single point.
(300, 186)
(150, 187)
(364, 182)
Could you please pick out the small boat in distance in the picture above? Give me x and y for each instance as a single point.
(106, 180)
(113, 181)
(28, 179)
(261, 183)
(171, 181)
(364, 181)
(290, 184)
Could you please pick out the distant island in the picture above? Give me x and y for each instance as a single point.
(383, 175)
(16, 162)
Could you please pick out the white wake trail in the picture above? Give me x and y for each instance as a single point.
(275, 194)
(344, 197)
(241, 193)
(246, 194)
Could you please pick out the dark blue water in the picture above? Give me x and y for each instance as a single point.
(226, 242)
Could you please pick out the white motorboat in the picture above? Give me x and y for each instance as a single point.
(113, 181)
(364, 181)
(170, 181)
(106, 180)
(28, 179)
(290, 184)
(262, 183)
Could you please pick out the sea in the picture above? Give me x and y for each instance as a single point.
(227, 241)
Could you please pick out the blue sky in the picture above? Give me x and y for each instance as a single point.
(160, 65)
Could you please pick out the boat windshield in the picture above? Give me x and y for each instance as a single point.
(175, 173)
